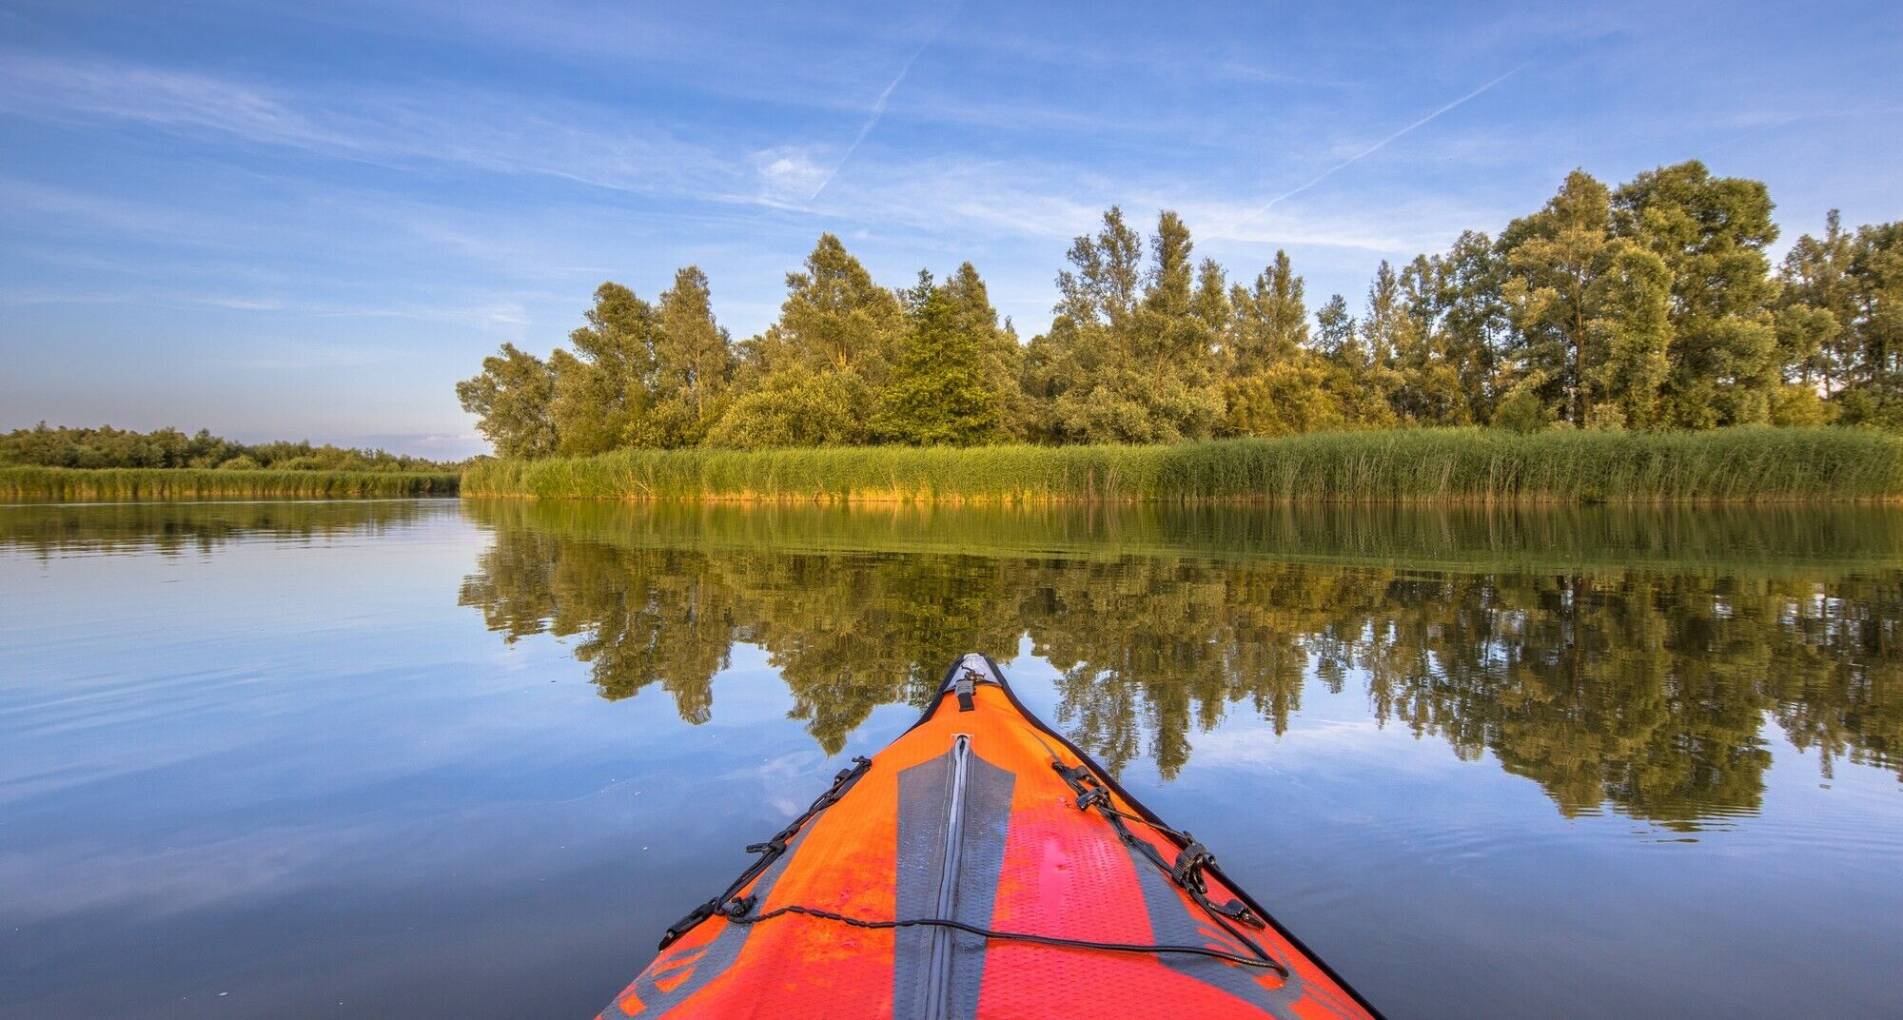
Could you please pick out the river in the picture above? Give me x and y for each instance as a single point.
(432, 758)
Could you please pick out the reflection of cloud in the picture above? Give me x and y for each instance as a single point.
(111, 875)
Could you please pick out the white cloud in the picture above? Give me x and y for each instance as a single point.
(787, 174)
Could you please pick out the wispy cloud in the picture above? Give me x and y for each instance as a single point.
(303, 356)
(472, 128)
(1383, 143)
(878, 106)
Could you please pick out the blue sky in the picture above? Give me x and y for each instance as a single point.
(293, 219)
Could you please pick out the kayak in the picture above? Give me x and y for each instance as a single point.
(982, 866)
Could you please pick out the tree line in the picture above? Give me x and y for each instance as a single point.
(108, 447)
(1652, 305)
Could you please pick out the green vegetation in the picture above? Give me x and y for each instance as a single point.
(1481, 465)
(1644, 687)
(89, 484)
(84, 464)
(1648, 307)
(107, 447)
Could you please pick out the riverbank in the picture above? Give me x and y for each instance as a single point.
(1743, 465)
(118, 484)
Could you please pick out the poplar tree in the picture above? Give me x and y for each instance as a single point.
(693, 364)
(1712, 233)
(1276, 385)
(1270, 323)
(1876, 271)
(602, 385)
(1818, 307)
(814, 376)
(1128, 358)
(510, 398)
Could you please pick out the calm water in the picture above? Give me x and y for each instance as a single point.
(424, 759)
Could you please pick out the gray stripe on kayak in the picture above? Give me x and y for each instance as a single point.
(1175, 921)
(988, 791)
(713, 960)
(924, 793)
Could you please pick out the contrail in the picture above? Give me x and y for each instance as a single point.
(878, 107)
(1378, 146)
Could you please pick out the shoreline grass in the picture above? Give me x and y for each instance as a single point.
(1742, 465)
(100, 485)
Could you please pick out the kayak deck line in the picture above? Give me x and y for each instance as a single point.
(938, 985)
(1028, 879)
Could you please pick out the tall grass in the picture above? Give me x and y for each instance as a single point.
(110, 484)
(1406, 465)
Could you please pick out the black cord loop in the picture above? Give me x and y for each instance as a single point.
(1260, 962)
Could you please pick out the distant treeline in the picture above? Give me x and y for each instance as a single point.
(78, 485)
(108, 447)
(1650, 306)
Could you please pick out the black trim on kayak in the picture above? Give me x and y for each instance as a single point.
(1144, 948)
(1103, 776)
(769, 851)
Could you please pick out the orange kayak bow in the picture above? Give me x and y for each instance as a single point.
(982, 866)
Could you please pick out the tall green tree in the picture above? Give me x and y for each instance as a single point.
(1427, 378)
(1876, 271)
(1276, 385)
(1588, 310)
(1128, 357)
(1353, 375)
(1712, 234)
(816, 372)
(1270, 322)
(511, 398)
(1818, 307)
(1630, 334)
(946, 388)
(602, 385)
(1456, 296)
(1386, 327)
(693, 365)
(1001, 356)
(835, 318)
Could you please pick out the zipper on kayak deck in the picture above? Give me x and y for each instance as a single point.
(938, 981)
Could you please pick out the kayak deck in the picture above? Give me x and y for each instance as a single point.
(981, 866)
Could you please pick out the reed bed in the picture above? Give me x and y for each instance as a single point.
(80, 485)
(1405, 465)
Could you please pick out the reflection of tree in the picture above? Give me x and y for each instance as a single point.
(646, 616)
(175, 528)
(1600, 691)
(1838, 686)
(849, 633)
(1641, 689)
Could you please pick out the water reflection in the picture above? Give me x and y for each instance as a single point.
(177, 528)
(1622, 658)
